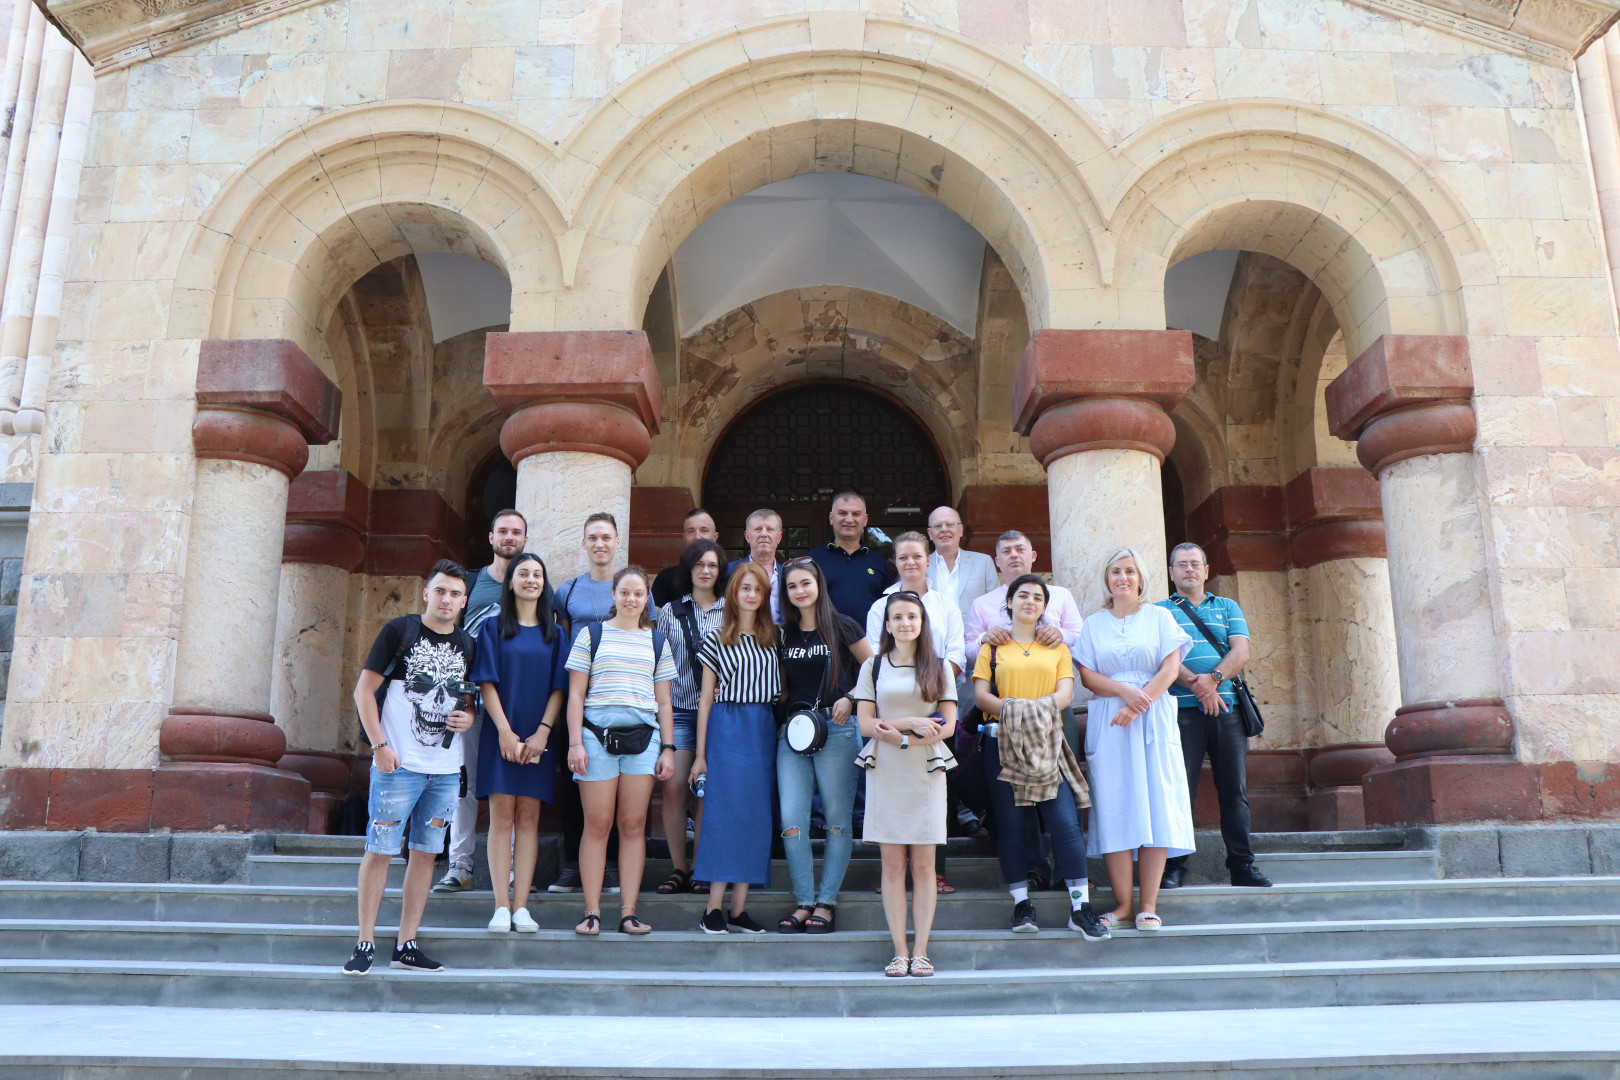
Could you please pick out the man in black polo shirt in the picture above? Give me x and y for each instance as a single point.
(856, 576)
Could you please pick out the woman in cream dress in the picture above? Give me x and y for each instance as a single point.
(906, 702)
(1129, 654)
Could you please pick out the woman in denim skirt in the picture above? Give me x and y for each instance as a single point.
(736, 750)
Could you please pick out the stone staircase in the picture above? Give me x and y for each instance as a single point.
(1354, 921)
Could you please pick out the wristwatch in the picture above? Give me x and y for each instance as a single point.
(1219, 676)
(665, 746)
(379, 745)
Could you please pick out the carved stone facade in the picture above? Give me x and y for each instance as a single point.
(1401, 447)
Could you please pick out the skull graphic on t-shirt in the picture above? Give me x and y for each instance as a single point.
(428, 667)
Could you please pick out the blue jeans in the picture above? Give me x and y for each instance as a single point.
(419, 798)
(832, 772)
(1017, 834)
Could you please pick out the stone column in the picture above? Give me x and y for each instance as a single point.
(581, 408)
(324, 542)
(1406, 402)
(21, 123)
(33, 212)
(1094, 404)
(30, 417)
(1336, 540)
(259, 405)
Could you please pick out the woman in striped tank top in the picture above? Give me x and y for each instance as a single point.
(736, 749)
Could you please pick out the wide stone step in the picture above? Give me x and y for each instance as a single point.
(682, 948)
(968, 910)
(964, 872)
(1532, 1040)
(951, 993)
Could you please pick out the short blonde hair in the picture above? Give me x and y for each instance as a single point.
(1141, 579)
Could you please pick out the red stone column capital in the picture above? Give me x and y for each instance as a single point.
(1408, 395)
(326, 520)
(1333, 514)
(1080, 390)
(262, 400)
(595, 391)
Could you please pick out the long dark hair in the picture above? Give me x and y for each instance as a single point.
(689, 558)
(825, 612)
(930, 669)
(730, 632)
(545, 609)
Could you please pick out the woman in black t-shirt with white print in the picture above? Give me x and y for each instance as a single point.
(815, 674)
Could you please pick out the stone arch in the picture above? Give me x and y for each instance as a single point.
(827, 333)
(1390, 249)
(1304, 441)
(818, 93)
(274, 253)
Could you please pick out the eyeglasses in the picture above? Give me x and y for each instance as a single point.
(801, 563)
(945, 525)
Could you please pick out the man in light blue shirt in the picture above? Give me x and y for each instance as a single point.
(1209, 723)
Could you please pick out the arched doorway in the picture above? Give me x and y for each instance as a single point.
(794, 450)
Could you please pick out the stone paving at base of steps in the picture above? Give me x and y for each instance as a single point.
(1536, 1032)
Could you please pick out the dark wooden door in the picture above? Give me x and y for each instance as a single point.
(795, 450)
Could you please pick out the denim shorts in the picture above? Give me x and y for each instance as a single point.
(605, 766)
(685, 729)
(420, 798)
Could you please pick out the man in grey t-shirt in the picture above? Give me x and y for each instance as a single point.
(582, 601)
(508, 533)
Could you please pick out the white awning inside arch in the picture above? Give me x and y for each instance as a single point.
(830, 229)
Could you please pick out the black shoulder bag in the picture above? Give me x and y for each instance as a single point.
(1246, 708)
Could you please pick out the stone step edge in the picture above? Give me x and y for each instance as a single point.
(1594, 962)
(1269, 1041)
(475, 933)
(1583, 881)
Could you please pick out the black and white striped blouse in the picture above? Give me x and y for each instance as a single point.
(744, 673)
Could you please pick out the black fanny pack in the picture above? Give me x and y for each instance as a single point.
(622, 741)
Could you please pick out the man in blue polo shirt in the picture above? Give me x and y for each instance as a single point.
(1209, 723)
(856, 575)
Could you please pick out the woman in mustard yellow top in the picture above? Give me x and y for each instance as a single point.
(1024, 669)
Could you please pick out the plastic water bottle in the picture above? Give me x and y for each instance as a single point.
(700, 784)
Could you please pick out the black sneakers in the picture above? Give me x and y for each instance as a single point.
(1249, 876)
(610, 880)
(745, 923)
(1087, 925)
(409, 957)
(567, 881)
(1023, 918)
(360, 962)
(713, 922)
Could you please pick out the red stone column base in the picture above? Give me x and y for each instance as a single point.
(329, 777)
(194, 796)
(1447, 789)
(1276, 788)
(182, 796)
(1335, 801)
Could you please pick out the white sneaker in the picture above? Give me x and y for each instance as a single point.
(501, 922)
(523, 922)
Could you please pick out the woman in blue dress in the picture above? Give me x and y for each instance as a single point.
(519, 668)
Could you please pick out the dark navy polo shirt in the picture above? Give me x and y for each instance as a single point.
(853, 581)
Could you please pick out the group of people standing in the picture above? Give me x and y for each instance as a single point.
(945, 678)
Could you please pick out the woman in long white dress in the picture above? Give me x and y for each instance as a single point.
(1129, 654)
